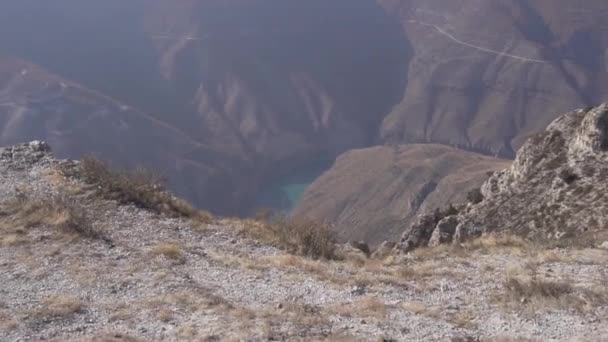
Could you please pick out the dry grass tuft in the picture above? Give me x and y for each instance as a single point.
(303, 315)
(58, 308)
(303, 237)
(164, 315)
(497, 241)
(417, 308)
(551, 256)
(59, 211)
(115, 338)
(297, 262)
(420, 308)
(368, 306)
(7, 323)
(537, 288)
(12, 239)
(121, 312)
(463, 320)
(170, 250)
(139, 187)
(510, 339)
(544, 293)
(425, 269)
(488, 244)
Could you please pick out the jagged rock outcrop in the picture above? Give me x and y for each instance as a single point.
(556, 187)
(24, 155)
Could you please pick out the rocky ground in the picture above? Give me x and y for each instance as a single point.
(112, 272)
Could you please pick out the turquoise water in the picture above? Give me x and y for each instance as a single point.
(284, 194)
(294, 192)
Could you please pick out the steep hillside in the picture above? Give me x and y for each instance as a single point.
(36, 104)
(273, 86)
(372, 194)
(555, 189)
(78, 267)
(487, 74)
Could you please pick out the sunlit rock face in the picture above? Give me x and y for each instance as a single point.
(555, 189)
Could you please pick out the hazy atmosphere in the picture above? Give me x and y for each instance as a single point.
(345, 158)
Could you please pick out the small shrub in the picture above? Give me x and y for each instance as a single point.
(58, 308)
(169, 250)
(140, 187)
(537, 288)
(66, 213)
(543, 293)
(57, 210)
(298, 236)
(312, 239)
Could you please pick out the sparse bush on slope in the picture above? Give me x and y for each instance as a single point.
(299, 236)
(139, 187)
(58, 210)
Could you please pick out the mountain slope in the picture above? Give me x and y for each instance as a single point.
(36, 104)
(487, 74)
(274, 86)
(271, 83)
(372, 194)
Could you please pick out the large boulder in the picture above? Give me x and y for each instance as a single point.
(444, 231)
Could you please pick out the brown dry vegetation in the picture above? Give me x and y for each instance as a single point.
(537, 288)
(139, 187)
(369, 307)
(60, 211)
(115, 338)
(534, 292)
(170, 250)
(308, 238)
(57, 308)
(7, 323)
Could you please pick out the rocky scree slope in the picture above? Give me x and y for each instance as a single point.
(77, 267)
(557, 187)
